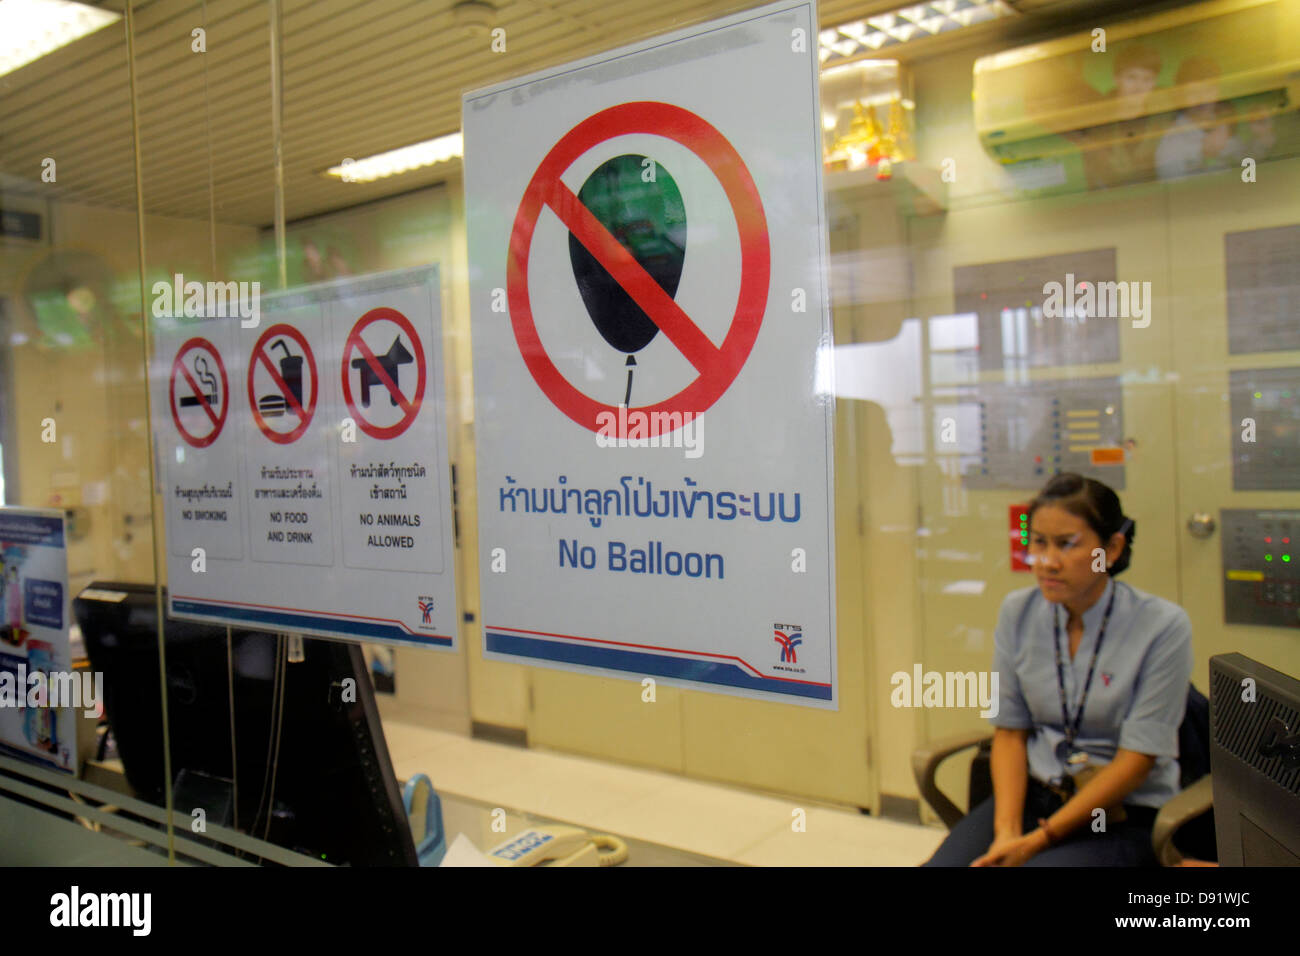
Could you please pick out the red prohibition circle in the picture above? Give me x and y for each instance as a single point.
(355, 342)
(722, 364)
(259, 354)
(218, 421)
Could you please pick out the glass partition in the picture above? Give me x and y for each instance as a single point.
(1041, 256)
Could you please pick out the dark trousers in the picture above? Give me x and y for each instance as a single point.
(1122, 844)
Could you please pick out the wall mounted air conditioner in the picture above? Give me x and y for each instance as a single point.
(1233, 59)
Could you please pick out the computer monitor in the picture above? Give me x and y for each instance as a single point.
(324, 786)
(1255, 762)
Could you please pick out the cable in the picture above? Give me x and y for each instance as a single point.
(279, 726)
(88, 824)
(277, 676)
(617, 848)
(94, 825)
(234, 757)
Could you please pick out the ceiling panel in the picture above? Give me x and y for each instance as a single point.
(360, 77)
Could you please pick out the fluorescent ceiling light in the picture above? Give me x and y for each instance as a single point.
(888, 69)
(403, 160)
(915, 22)
(29, 29)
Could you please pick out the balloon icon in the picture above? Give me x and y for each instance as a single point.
(639, 203)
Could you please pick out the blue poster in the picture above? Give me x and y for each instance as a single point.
(40, 691)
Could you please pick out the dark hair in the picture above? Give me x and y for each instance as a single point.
(1096, 504)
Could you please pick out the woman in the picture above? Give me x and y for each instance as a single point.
(1093, 679)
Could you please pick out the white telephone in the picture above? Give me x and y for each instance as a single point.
(559, 846)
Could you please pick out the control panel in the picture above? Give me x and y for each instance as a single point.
(1029, 432)
(1261, 567)
(1263, 278)
(1266, 449)
(1021, 325)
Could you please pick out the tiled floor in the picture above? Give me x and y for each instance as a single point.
(662, 808)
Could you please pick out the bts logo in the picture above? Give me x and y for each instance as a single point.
(789, 636)
(426, 610)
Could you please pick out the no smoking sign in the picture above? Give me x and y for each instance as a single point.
(716, 366)
(198, 393)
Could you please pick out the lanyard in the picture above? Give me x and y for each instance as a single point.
(1072, 726)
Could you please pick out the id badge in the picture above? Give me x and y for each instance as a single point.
(1066, 753)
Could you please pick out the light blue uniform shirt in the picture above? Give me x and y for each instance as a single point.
(1138, 692)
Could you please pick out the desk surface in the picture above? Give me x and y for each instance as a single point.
(474, 819)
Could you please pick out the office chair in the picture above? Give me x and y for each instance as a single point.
(1190, 810)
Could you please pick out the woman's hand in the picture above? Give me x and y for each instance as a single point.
(1012, 850)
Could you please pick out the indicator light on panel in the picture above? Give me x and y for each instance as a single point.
(1018, 519)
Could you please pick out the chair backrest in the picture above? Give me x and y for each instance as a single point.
(1194, 739)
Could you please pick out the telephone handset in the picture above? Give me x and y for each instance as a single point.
(559, 846)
